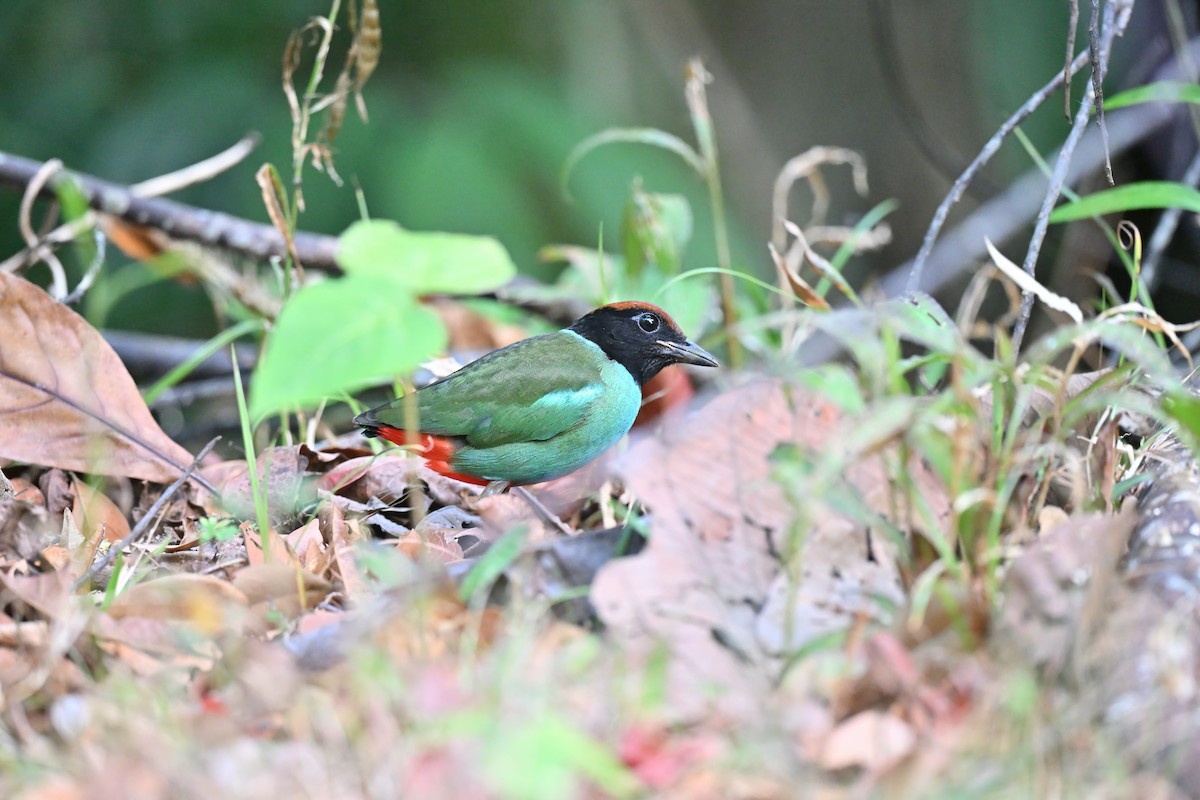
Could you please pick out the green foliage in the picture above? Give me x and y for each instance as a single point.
(342, 335)
(346, 333)
(213, 529)
(655, 229)
(424, 263)
(1130, 197)
(1160, 92)
(257, 490)
(493, 563)
(655, 232)
(544, 757)
(185, 367)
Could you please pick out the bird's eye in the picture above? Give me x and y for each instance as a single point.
(648, 323)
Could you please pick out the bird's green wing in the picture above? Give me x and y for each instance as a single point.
(529, 391)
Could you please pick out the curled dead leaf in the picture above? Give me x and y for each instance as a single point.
(95, 513)
(804, 293)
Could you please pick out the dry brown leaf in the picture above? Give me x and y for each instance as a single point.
(276, 550)
(669, 390)
(137, 242)
(471, 331)
(284, 473)
(308, 543)
(25, 530)
(504, 512)
(22, 671)
(210, 604)
(1046, 611)
(56, 488)
(872, 740)
(47, 593)
(59, 558)
(27, 492)
(32, 634)
(711, 583)
(344, 535)
(432, 546)
(95, 514)
(267, 582)
(278, 591)
(386, 478)
(69, 402)
(434, 627)
(804, 293)
(152, 646)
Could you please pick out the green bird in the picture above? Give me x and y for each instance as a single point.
(544, 406)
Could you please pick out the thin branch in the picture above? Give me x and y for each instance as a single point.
(1099, 67)
(1114, 25)
(990, 149)
(1072, 26)
(1006, 215)
(211, 228)
(144, 524)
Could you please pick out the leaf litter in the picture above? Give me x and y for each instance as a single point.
(756, 623)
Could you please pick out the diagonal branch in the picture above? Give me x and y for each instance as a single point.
(179, 220)
(144, 524)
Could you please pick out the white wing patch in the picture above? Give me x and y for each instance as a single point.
(568, 398)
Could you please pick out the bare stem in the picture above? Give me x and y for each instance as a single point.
(697, 101)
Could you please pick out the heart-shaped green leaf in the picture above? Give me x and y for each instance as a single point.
(339, 336)
(425, 263)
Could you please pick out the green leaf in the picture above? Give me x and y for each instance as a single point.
(339, 336)
(836, 383)
(493, 563)
(1147, 194)
(425, 263)
(1184, 408)
(1161, 92)
(654, 229)
(869, 221)
(546, 757)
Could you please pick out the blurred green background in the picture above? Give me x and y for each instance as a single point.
(475, 105)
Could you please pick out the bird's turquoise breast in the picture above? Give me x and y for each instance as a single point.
(610, 400)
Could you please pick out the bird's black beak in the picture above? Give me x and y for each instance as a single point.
(688, 353)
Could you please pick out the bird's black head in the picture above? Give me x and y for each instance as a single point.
(640, 337)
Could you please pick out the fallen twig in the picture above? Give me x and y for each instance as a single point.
(144, 524)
